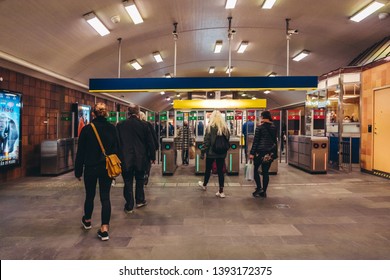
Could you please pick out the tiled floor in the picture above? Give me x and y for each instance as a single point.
(329, 216)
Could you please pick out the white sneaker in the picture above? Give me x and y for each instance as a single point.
(221, 195)
(200, 185)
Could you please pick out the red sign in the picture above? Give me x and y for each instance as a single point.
(295, 117)
(276, 118)
(238, 117)
(251, 118)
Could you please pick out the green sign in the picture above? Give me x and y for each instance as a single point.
(201, 118)
(111, 119)
(192, 118)
(229, 118)
(66, 116)
(179, 118)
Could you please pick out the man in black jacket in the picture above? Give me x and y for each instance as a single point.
(137, 149)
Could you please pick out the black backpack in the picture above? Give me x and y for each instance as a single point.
(221, 145)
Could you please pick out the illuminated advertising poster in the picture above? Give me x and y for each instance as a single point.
(10, 124)
(84, 117)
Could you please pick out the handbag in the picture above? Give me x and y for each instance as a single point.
(192, 152)
(113, 163)
(249, 176)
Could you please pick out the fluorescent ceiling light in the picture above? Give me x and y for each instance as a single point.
(253, 98)
(272, 74)
(218, 47)
(368, 10)
(267, 91)
(211, 70)
(242, 47)
(268, 4)
(301, 55)
(227, 70)
(168, 75)
(230, 4)
(133, 12)
(135, 64)
(93, 21)
(157, 57)
(162, 92)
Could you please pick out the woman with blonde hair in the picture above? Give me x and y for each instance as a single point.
(216, 130)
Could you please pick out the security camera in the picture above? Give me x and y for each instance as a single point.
(292, 31)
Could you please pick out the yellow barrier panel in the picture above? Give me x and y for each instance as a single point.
(220, 104)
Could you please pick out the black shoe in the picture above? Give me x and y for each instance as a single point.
(86, 225)
(257, 192)
(103, 235)
(128, 211)
(146, 180)
(263, 194)
(142, 204)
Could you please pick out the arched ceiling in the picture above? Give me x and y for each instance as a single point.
(53, 35)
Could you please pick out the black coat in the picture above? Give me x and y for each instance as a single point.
(89, 152)
(209, 140)
(136, 143)
(264, 140)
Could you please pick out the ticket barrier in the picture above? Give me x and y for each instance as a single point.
(308, 153)
(233, 156)
(200, 164)
(273, 170)
(168, 156)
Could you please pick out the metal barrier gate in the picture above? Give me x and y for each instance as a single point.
(345, 155)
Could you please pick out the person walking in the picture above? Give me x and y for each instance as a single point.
(216, 127)
(263, 152)
(142, 116)
(186, 141)
(91, 161)
(137, 150)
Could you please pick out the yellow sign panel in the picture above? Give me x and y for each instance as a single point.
(220, 104)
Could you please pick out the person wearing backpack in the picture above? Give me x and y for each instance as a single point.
(263, 151)
(215, 146)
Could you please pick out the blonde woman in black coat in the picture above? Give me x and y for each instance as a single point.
(216, 126)
(91, 161)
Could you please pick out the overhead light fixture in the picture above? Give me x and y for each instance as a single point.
(218, 46)
(244, 94)
(242, 47)
(230, 4)
(272, 74)
(93, 21)
(168, 75)
(267, 91)
(268, 4)
(157, 56)
(253, 98)
(135, 64)
(133, 12)
(227, 70)
(162, 92)
(368, 10)
(211, 70)
(301, 55)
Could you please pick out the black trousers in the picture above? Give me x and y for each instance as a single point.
(258, 160)
(128, 194)
(207, 173)
(184, 156)
(91, 176)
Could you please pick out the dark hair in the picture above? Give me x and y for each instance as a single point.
(133, 110)
(266, 115)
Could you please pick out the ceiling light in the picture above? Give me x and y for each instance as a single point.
(211, 70)
(133, 12)
(368, 10)
(253, 98)
(178, 95)
(230, 4)
(93, 21)
(242, 47)
(168, 75)
(157, 57)
(162, 92)
(218, 47)
(227, 70)
(272, 74)
(268, 4)
(267, 91)
(167, 98)
(135, 64)
(301, 55)
(244, 94)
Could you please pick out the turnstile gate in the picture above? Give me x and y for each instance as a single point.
(168, 156)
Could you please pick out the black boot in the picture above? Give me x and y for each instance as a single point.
(257, 192)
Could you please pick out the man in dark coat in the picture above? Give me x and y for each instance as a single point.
(137, 149)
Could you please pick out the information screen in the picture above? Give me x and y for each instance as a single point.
(10, 128)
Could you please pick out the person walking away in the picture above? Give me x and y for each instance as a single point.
(91, 161)
(155, 142)
(186, 141)
(216, 126)
(136, 151)
(264, 145)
